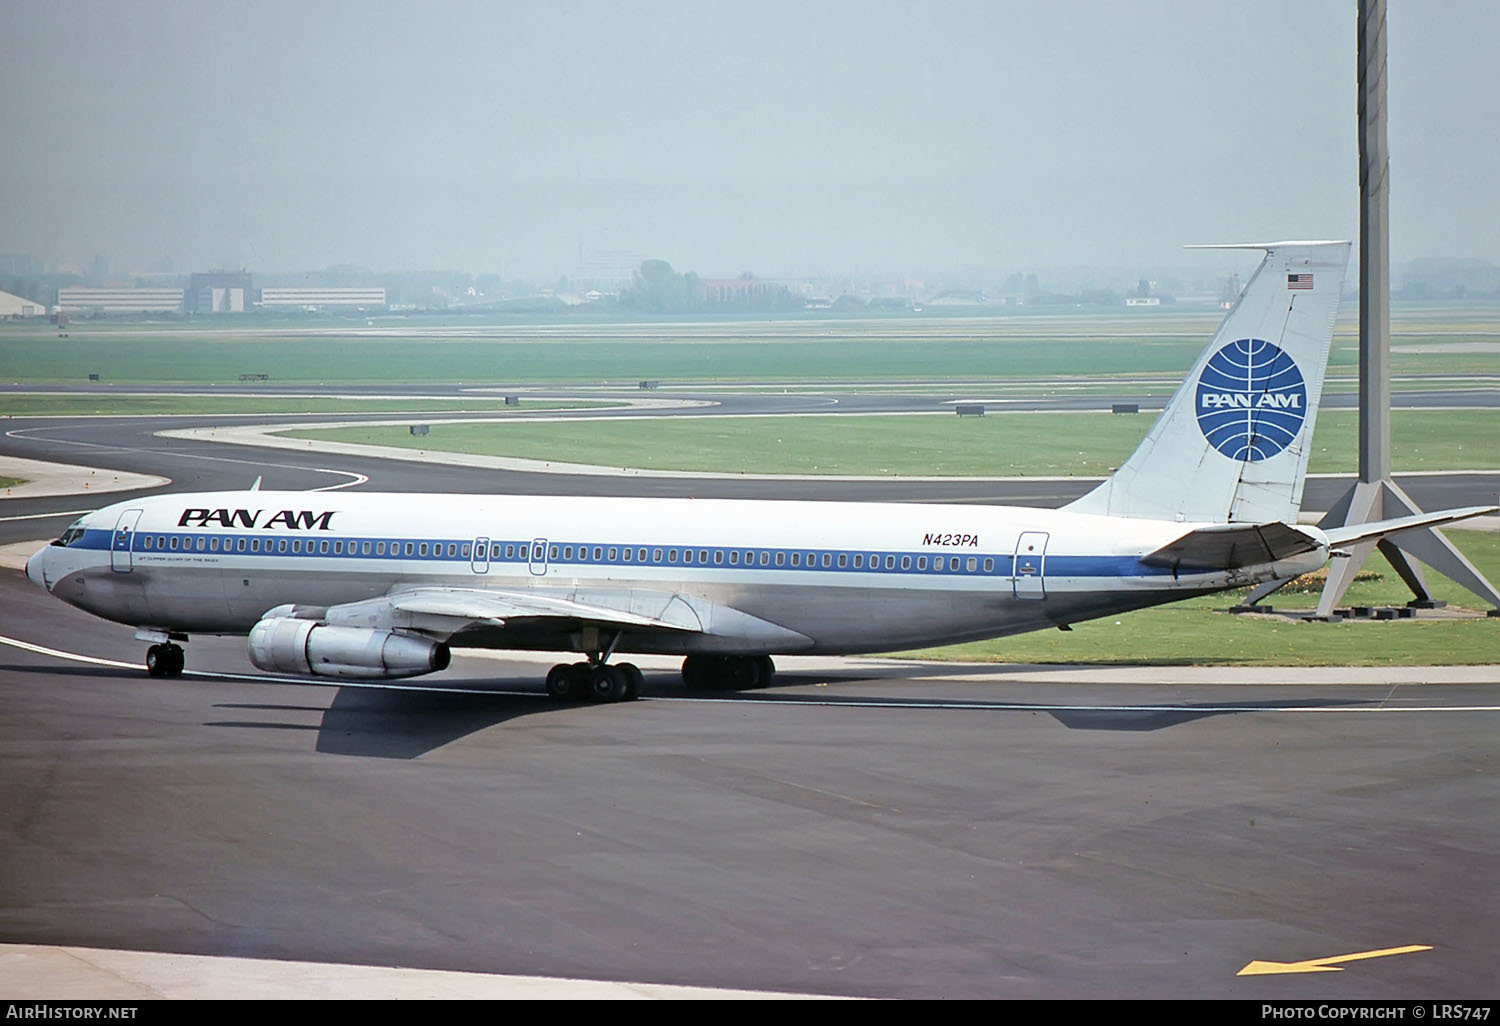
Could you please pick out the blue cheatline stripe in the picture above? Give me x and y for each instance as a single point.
(517, 553)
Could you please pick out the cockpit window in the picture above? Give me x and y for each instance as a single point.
(71, 535)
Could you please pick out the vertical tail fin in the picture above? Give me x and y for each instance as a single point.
(1233, 443)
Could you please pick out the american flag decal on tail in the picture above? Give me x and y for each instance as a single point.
(1299, 281)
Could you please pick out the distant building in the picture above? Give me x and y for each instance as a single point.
(218, 292)
(321, 298)
(958, 297)
(16, 306)
(75, 299)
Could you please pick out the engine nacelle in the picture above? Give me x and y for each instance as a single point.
(283, 644)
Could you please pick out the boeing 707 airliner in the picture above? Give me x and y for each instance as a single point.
(364, 585)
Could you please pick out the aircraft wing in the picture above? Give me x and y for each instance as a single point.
(1229, 546)
(441, 613)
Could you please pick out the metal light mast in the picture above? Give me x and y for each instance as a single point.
(1376, 495)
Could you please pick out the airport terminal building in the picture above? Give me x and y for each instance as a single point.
(217, 292)
(322, 298)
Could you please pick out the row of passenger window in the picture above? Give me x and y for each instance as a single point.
(796, 559)
(300, 546)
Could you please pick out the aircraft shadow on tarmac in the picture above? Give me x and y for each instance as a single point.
(1158, 718)
(398, 724)
(410, 722)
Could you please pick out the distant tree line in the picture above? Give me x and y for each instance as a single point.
(656, 288)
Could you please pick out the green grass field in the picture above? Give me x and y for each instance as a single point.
(1006, 444)
(1201, 632)
(10, 482)
(1074, 345)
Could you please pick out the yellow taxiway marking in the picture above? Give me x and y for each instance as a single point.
(1324, 965)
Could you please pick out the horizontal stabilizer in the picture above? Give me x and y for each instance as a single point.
(1353, 534)
(1230, 546)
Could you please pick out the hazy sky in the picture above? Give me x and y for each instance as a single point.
(778, 137)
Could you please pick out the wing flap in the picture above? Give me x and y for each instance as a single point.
(493, 606)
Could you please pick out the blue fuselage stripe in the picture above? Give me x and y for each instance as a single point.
(610, 555)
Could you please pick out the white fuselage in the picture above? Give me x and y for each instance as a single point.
(838, 577)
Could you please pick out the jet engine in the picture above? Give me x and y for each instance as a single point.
(284, 644)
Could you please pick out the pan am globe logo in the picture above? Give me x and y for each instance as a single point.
(1252, 400)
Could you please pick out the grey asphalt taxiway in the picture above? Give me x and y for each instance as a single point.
(864, 827)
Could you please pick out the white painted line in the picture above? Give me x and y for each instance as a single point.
(71, 656)
(44, 516)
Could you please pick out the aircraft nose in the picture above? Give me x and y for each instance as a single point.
(34, 568)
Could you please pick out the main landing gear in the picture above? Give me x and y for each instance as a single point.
(727, 673)
(165, 660)
(594, 682)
